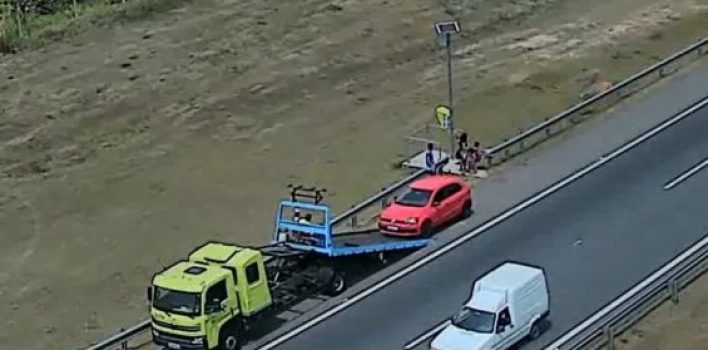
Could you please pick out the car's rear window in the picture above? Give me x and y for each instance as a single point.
(414, 197)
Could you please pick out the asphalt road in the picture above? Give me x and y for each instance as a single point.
(596, 238)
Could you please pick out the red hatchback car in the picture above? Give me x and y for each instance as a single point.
(426, 205)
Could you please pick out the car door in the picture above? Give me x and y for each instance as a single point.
(438, 203)
(449, 204)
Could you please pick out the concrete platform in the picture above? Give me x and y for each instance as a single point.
(418, 162)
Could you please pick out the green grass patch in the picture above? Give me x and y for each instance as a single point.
(20, 31)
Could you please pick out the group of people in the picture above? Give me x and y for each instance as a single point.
(469, 158)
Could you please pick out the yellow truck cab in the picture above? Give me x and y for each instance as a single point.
(200, 303)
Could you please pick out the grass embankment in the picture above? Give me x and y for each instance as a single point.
(22, 29)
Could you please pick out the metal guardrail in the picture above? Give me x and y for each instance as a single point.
(121, 339)
(665, 283)
(636, 82)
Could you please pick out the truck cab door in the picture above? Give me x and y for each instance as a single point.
(255, 294)
(217, 310)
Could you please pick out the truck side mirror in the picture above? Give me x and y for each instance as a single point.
(149, 293)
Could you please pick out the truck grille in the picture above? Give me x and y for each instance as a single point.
(176, 327)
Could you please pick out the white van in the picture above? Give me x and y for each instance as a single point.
(506, 305)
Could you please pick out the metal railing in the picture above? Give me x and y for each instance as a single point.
(665, 283)
(121, 339)
(601, 101)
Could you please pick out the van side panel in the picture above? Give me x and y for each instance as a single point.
(529, 301)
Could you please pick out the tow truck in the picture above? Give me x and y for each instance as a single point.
(214, 297)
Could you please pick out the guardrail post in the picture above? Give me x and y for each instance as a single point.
(123, 344)
(354, 221)
(673, 288)
(610, 334)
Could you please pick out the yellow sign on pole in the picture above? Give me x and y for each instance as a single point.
(442, 116)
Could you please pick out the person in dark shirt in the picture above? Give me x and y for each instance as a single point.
(461, 153)
(430, 159)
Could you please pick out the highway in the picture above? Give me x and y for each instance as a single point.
(595, 238)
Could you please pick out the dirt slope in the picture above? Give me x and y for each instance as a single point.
(124, 147)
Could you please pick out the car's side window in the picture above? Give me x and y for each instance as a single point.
(440, 195)
(453, 189)
(446, 192)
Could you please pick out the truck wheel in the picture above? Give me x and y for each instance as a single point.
(535, 331)
(336, 285)
(229, 339)
(426, 230)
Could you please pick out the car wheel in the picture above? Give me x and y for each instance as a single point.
(466, 211)
(426, 230)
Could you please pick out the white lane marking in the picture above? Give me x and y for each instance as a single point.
(425, 336)
(685, 175)
(639, 287)
(485, 226)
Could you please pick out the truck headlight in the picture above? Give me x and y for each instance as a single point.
(198, 341)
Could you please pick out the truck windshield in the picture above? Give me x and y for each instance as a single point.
(173, 301)
(474, 320)
(414, 198)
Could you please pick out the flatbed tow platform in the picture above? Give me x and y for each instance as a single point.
(306, 227)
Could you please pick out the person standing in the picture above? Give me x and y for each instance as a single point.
(479, 155)
(461, 153)
(430, 159)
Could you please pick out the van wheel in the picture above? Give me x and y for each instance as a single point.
(535, 331)
(229, 339)
(426, 230)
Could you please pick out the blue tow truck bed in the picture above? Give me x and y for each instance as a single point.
(372, 242)
(307, 227)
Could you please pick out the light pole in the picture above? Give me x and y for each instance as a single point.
(444, 31)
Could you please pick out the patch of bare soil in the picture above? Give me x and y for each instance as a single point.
(123, 148)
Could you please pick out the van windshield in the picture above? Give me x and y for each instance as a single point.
(172, 301)
(474, 320)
